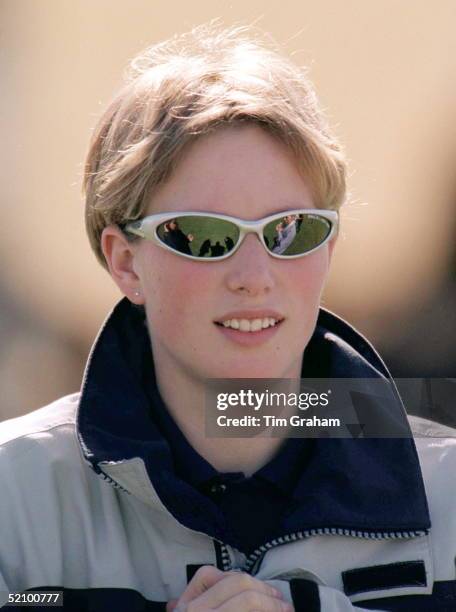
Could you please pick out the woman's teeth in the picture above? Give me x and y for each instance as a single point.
(250, 325)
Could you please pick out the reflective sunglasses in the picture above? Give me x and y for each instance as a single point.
(212, 237)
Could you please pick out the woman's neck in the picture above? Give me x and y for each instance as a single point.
(185, 398)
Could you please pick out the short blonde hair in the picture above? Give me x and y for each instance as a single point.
(188, 86)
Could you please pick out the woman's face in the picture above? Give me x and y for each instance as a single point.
(246, 173)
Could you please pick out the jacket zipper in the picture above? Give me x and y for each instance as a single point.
(251, 560)
(227, 555)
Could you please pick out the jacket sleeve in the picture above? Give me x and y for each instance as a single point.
(308, 596)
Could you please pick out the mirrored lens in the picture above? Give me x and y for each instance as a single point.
(201, 237)
(296, 234)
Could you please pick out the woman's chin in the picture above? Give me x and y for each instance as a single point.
(248, 370)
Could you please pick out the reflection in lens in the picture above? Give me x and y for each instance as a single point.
(296, 234)
(200, 236)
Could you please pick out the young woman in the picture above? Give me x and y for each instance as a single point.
(115, 495)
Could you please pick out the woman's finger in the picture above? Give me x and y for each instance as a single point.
(233, 584)
(205, 578)
(255, 601)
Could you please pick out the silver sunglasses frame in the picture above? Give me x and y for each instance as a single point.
(147, 226)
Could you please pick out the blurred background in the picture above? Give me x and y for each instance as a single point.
(385, 72)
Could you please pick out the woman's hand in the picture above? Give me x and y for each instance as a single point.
(211, 589)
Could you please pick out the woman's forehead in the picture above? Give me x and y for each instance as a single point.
(233, 170)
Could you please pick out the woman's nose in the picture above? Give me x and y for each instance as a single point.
(250, 268)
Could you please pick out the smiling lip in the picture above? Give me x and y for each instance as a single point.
(250, 315)
(249, 338)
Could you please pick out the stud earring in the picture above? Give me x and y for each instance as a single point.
(137, 293)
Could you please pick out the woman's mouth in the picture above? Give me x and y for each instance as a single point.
(249, 332)
(250, 325)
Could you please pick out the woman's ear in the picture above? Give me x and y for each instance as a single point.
(119, 253)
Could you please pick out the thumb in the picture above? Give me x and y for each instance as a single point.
(171, 605)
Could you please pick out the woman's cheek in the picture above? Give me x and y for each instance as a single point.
(177, 296)
(312, 269)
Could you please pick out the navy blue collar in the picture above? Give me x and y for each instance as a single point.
(369, 485)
